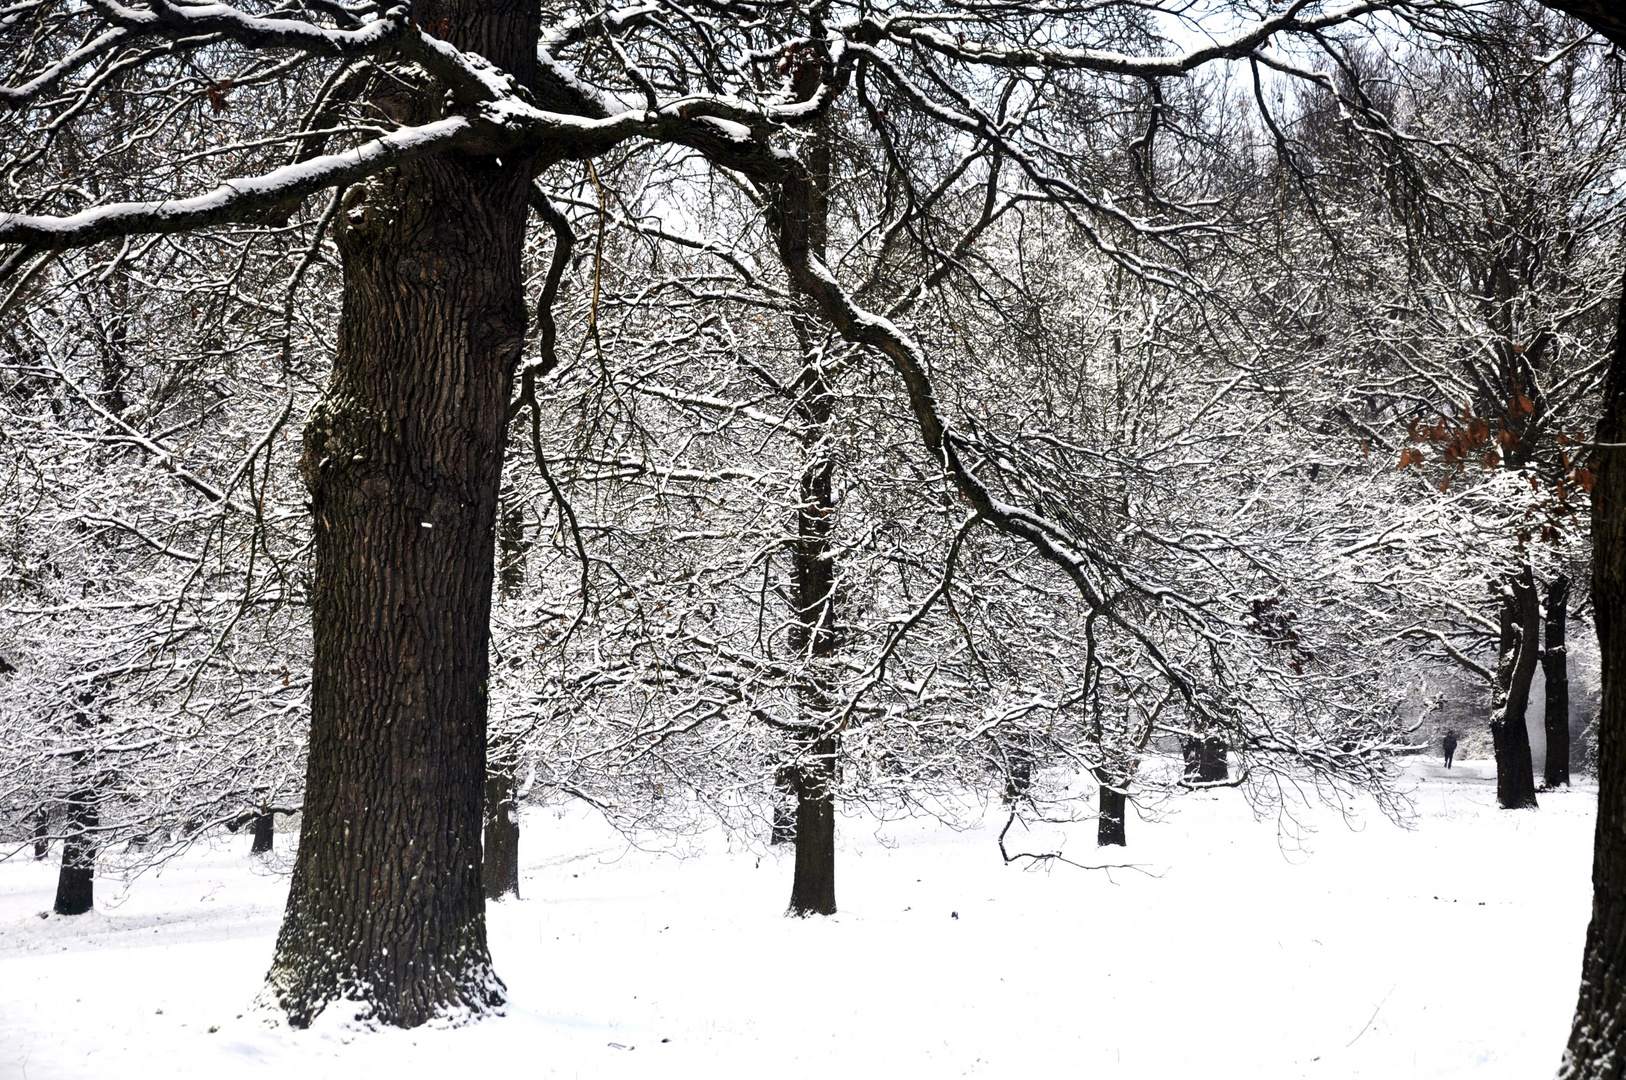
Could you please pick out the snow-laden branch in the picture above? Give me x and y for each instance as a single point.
(927, 31)
(237, 199)
(167, 19)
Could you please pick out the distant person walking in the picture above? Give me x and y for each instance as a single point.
(1450, 747)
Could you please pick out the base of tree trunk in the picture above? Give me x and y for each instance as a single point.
(75, 889)
(813, 891)
(454, 1000)
(1515, 776)
(263, 835)
(1206, 761)
(1109, 827)
(75, 885)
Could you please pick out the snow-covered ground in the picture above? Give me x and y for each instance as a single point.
(1449, 950)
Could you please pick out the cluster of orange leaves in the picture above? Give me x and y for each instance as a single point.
(1470, 436)
(216, 93)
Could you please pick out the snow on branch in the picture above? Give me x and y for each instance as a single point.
(237, 199)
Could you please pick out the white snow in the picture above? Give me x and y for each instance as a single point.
(1373, 953)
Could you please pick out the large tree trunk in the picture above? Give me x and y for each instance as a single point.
(75, 883)
(1515, 669)
(1555, 669)
(500, 870)
(1599, 1032)
(403, 459)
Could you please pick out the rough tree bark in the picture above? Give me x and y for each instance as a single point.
(1515, 669)
(1598, 1035)
(403, 460)
(1555, 670)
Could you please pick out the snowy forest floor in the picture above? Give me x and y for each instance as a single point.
(1452, 949)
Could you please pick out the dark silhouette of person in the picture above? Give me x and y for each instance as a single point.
(1450, 747)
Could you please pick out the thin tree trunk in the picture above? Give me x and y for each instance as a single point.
(1516, 668)
(1555, 669)
(42, 835)
(403, 459)
(75, 884)
(263, 834)
(1109, 826)
(499, 873)
(1599, 1031)
(813, 889)
(500, 870)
